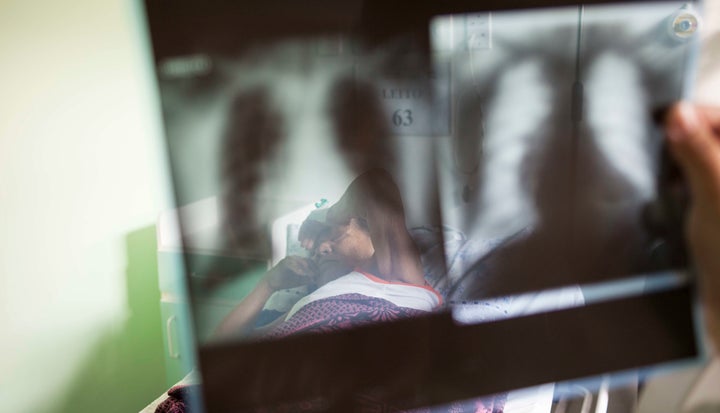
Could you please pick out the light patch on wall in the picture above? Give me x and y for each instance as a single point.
(313, 161)
(298, 80)
(185, 66)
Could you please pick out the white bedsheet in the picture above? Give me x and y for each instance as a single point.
(400, 294)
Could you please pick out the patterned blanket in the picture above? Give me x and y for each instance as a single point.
(341, 312)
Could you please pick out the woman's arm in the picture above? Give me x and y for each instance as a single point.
(288, 273)
(243, 316)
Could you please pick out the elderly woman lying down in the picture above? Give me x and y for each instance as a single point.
(363, 262)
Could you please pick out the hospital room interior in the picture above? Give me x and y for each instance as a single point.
(178, 181)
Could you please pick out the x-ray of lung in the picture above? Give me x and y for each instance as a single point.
(554, 155)
(382, 213)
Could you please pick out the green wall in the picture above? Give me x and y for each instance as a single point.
(125, 371)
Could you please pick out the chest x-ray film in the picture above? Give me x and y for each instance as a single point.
(423, 206)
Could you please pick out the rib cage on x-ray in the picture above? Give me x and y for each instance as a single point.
(298, 125)
(563, 196)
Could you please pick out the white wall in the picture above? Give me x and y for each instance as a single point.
(81, 165)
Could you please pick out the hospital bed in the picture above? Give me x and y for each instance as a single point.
(441, 248)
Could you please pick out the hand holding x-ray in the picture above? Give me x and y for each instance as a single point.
(694, 137)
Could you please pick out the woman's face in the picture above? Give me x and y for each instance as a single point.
(340, 249)
(353, 243)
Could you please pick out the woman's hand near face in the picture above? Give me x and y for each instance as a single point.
(694, 139)
(291, 272)
(309, 232)
(288, 273)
